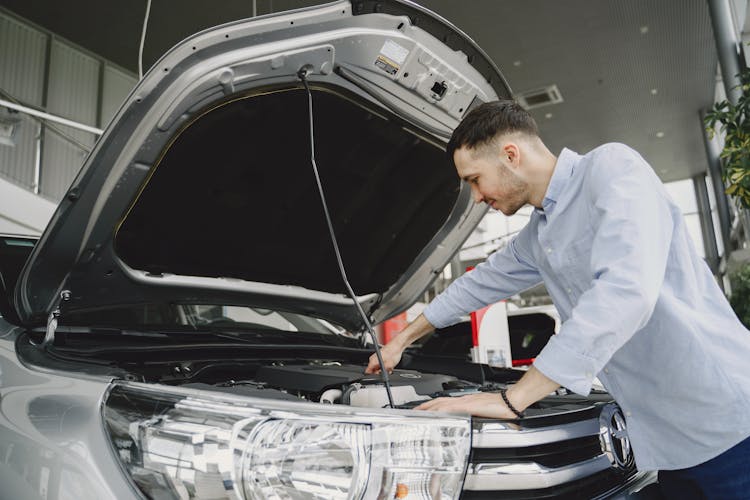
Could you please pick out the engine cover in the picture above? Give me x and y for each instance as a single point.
(316, 378)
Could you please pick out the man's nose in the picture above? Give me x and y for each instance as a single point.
(478, 198)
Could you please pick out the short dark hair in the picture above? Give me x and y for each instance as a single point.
(487, 121)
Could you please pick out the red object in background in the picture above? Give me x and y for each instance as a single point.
(476, 318)
(394, 325)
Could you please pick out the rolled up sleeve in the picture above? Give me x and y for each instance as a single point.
(633, 225)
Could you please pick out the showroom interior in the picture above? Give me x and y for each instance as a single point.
(644, 73)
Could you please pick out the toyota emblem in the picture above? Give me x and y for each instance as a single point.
(613, 434)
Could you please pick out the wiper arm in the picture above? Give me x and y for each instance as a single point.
(291, 337)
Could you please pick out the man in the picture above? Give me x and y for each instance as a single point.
(640, 309)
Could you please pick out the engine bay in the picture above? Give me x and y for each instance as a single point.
(332, 382)
(324, 374)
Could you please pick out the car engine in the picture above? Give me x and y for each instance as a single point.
(337, 383)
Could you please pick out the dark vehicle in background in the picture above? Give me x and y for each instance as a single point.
(149, 348)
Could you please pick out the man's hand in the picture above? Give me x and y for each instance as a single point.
(532, 387)
(393, 350)
(391, 353)
(483, 404)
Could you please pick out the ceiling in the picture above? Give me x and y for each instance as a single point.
(631, 71)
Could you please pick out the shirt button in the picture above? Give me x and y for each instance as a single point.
(549, 250)
(606, 370)
(569, 290)
(589, 375)
(627, 414)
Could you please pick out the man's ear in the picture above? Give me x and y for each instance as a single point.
(511, 154)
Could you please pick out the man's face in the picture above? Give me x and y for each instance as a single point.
(493, 178)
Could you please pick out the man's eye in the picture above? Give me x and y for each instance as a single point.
(475, 180)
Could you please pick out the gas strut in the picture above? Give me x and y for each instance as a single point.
(302, 74)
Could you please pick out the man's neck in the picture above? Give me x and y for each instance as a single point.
(544, 168)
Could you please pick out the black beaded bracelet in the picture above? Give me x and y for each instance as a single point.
(510, 406)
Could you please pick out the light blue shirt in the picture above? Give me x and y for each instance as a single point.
(640, 309)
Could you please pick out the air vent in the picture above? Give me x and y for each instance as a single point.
(539, 97)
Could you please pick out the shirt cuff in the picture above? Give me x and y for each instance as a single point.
(568, 368)
(438, 315)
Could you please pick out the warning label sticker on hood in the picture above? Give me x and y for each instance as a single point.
(394, 52)
(391, 57)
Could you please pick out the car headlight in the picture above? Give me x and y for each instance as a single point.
(184, 443)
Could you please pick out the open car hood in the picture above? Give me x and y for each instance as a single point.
(201, 189)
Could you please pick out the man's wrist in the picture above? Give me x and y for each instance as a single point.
(516, 398)
(399, 341)
(532, 387)
(506, 399)
(413, 332)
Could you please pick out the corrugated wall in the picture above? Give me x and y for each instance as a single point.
(22, 56)
(73, 93)
(29, 56)
(117, 86)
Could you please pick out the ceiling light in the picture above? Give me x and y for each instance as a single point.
(660, 134)
(644, 30)
(516, 63)
(539, 97)
(654, 91)
(548, 116)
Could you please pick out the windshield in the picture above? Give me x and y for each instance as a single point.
(199, 317)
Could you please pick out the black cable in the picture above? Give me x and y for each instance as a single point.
(302, 74)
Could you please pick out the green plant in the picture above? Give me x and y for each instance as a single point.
(735, 122)
(740, 298)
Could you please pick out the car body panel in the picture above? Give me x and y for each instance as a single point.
(51, 438)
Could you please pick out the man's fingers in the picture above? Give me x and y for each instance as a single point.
(373, 367)
(433, 404)
(456, 404)
(480, 405)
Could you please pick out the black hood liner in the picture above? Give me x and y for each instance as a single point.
(235, 196)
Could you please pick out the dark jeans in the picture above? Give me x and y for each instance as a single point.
(726, 477)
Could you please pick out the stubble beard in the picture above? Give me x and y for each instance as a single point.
(517, 193)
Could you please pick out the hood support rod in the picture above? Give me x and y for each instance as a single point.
(302, 74)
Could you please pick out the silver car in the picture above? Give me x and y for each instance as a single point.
(182, 329)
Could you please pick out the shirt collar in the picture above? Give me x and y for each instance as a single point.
(563, 170)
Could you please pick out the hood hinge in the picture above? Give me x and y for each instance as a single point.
(49, 336)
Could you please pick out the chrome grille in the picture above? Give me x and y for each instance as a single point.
(513, 460)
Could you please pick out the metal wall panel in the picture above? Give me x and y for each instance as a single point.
(115, 88)
(22, 54)
(22, 62)
(72, 93)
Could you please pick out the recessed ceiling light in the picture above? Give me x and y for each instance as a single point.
(539, 97)
(516, 63)
(548, 116)
(660, 134)
(654, 91)
(664, 170)
(644, 30)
